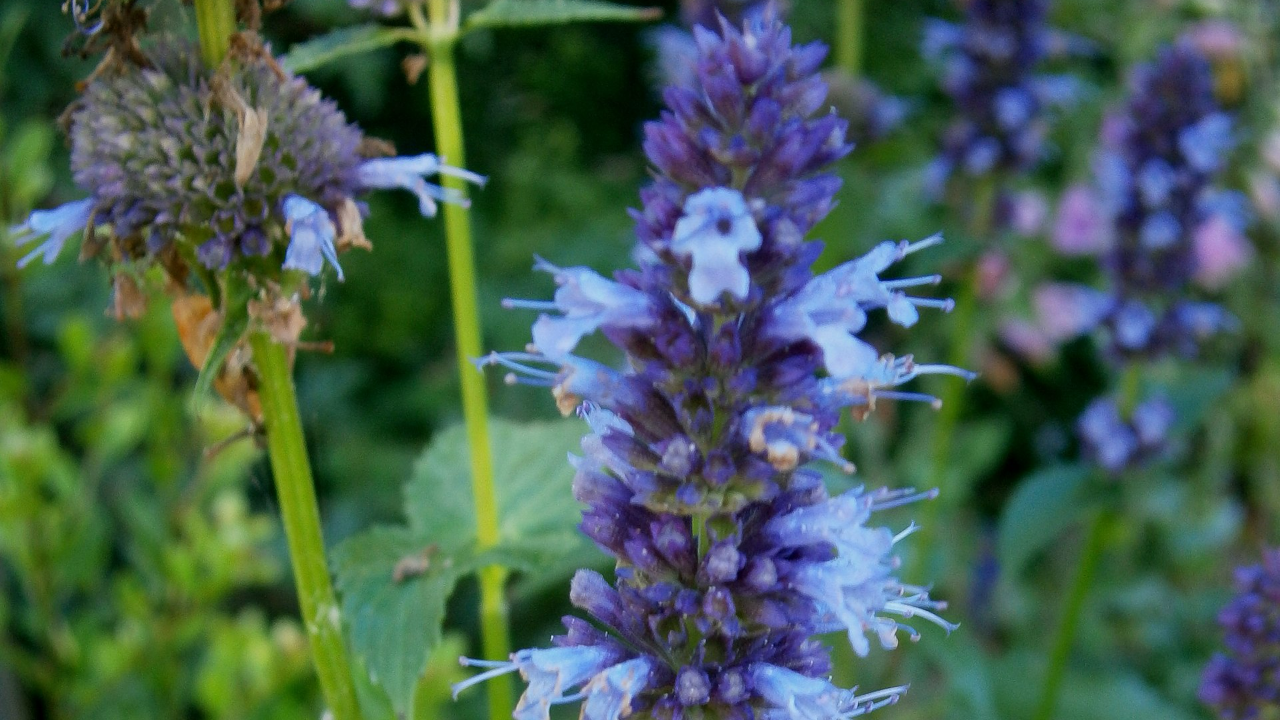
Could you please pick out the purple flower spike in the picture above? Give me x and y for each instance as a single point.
(311, 237)
(1242, 682)
(57, 225)
(696, 473)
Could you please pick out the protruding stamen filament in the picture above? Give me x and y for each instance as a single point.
(499, 669)
(912, 282)
(517, 303)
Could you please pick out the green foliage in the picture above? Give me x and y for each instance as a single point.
(536, 13)
(395, 581)
(1045, 504)
(338, 44)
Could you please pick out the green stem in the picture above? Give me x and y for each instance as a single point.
(216, 22)
(1089, 558)
(849, 35)
(1130, 389)
(301, 515)
(447, 118)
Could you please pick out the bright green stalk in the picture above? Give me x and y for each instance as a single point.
(301, 515)
(849, 35)
(1062, 640)
(438, 41)
(216, 22)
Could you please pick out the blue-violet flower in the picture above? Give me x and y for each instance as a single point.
(731, 555)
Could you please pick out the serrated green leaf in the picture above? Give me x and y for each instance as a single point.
(324, 49)
(534, 13)
(532, 476)
(235, 321)
(395, 626)
(1045, 504)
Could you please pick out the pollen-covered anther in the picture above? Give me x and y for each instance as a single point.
(787, 438)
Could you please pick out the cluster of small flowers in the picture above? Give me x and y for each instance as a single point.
(1159, 226)
(731, 556)
(1154, 216)
(1114, 442)
(243, 164)
(989, 66)
(1244, 683)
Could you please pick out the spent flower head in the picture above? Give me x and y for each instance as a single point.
(243, 169)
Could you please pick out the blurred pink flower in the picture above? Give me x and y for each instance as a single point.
(993, 272)
(1026, 340)
(1220, 251)
(1271, 150)
(1216, 39)
(1066, 310)
(1264, 189)
(1028, 211)
(1082, 226)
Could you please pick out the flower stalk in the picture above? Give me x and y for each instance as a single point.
(1090, 556)
(850, 28)
(300, 513)
(216, 23)
(437, 35)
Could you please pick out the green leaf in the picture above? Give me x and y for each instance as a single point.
(535, 13)
(533, 482)
(395, 625)
(395, 581)
(235, 321)
(1045, 504)
(324, 49)
(985, 443)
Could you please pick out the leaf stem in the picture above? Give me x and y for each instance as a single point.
(438, 39)
(850, 26)
(1062, 640)
(301, 515)
(216, 23)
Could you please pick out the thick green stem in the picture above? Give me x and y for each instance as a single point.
(1090, 555)
(447, 116)
(216, 23)
(849, 35)
(301, 515)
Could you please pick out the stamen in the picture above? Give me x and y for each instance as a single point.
(908, 397)
(944, 304)
(517, 303)
(937, 369)
(499, 670)
(911, 282)
(910, 611)
(934, 239)
(909, 530)
(508, 360)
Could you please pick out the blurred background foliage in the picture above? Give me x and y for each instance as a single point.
(143, 577)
